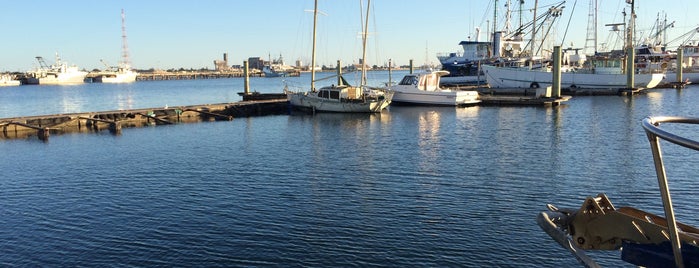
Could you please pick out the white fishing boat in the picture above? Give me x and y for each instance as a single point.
(116, 75)
(123, 72)
(605, 77)
(341, 97)
(277, 68)
(8, 80)
(424, 89)
(59, 73)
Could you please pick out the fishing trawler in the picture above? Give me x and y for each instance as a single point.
(59, 73)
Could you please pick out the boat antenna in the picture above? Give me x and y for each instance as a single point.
(313, 52)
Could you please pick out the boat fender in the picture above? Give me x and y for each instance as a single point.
(534, 85)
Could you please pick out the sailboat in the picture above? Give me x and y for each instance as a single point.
(343, 97)
(121, 73)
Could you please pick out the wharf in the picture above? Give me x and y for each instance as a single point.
(43, 126)
(189, 75)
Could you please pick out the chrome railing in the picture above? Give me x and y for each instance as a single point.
(654, 133)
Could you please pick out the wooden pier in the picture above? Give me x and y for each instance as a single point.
(512, 100)
(43, 126)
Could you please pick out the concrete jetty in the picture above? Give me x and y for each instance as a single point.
(43, 126)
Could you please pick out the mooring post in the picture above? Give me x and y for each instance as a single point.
(556, 72)
(115, 127)
(630, 70)
(339, 73)
(680, 55)
(389, 73)
(247, 78)
(411, 66)
(43, 134)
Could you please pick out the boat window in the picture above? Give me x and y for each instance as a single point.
(335, 95)
(323, 94)
(408, 80)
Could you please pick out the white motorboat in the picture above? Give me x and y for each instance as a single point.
(343, 97)
(424, 89)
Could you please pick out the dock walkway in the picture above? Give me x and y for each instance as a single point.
(44, 125)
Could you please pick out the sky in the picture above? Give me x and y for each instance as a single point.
(192, 34)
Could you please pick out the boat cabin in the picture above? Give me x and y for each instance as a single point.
(340, 92)
(426, 81)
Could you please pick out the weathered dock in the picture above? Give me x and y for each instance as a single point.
(43, 126)
(513, 100)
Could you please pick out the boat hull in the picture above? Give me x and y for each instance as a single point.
(63, 78)
(6, 81)
(438, 98)
(305, 101)
(127, 77)
(518, 79)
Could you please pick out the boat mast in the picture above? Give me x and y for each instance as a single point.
(364, 38)
(533, 41)
(313, 52)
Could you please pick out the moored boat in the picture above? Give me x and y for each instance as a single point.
(343, 97)
(59, 73)
(123, 72)
(605, 77)
(424, 89)
(8, 80)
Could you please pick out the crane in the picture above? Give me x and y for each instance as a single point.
(685, 38)
(42, 63)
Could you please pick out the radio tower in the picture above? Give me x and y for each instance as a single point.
(124, 45)
(591, 41)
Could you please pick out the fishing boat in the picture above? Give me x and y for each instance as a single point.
(277, 68)
(59, 73)
(8, 80)
(605, 77)
(121, 73)
(645, 239)
(341, 97)
(424, 89)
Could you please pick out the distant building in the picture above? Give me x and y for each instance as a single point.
(222, 65)
(256, 63)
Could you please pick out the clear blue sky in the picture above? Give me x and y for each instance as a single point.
(191, 34)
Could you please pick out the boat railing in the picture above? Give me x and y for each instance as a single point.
(655, 133)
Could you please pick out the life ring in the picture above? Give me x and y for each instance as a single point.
(534, 85)
(666, 58)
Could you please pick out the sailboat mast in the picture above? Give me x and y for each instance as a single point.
(313, 52)
(364, 38)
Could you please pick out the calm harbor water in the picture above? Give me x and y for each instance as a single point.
(410, 187)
